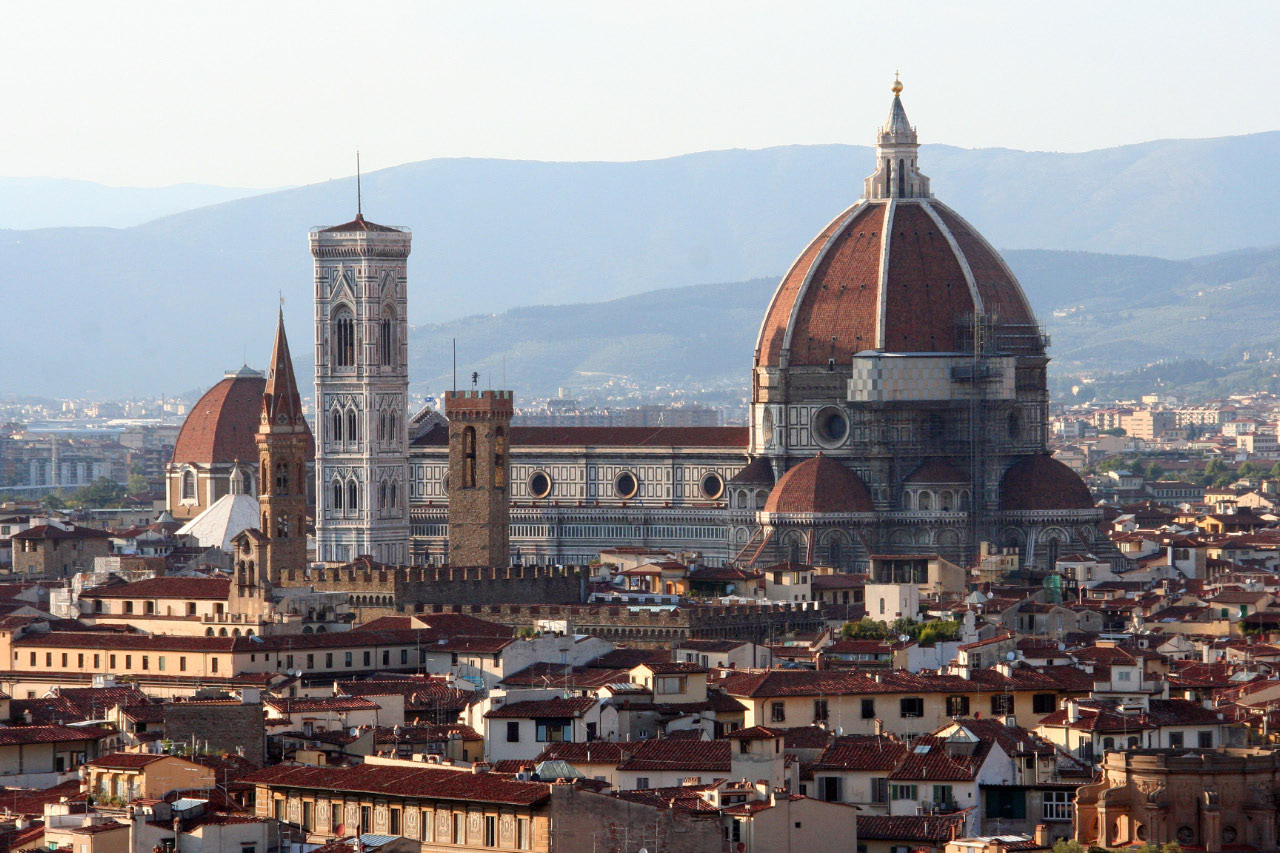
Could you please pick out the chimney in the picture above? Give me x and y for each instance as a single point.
(1041, 836)
(879, 727)
(1073, 711)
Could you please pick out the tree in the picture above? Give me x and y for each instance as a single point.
(1275, 470)
(932, 633)
(137, 484)
(865, 628)
(100, 493)
(52, 501)
(1064, 845)
(1155, 471)
(1113, 431)
(1247, 469)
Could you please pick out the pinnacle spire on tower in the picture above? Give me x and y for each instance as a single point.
(281, 395)
(896, 175)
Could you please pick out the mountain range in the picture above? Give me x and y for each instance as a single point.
(27, 203)
(171, 303)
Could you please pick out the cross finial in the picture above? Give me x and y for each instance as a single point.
(897, 84)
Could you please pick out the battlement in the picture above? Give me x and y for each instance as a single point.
(479, 404)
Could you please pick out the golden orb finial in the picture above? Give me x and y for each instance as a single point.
(897, 84)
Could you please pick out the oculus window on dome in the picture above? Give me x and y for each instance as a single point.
(830, 427)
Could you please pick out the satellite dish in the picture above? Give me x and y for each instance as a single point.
(1062, 647)
(902, 638)
(1011, 656)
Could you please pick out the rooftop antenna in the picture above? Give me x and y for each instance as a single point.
(359, 194)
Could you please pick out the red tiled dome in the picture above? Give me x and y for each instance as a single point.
(938, 471)
(1043, 483)
(843, 296)
(819, 485)
(222, 425)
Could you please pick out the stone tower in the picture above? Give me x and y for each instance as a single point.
(479, 470)
(362, 387)
(282, 465)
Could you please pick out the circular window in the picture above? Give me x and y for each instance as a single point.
(712, 486)
(830, 427)
(539, 485)
(626, 486)
(1185, 835)
(1228, 835)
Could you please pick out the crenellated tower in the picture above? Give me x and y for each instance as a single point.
(479, 473)
(362, 389)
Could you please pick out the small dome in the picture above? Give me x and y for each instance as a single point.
(758, 473)
(819, 485)
(938, 471)
(1042, 483)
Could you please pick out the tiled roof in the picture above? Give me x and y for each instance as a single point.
(455, 624)
(758, 473)
(395, 781)
(938, 471)
(127, 760)
(557, 676)
(48, 531)
(215, 589)
(328, 703)
(359, 224)
(530, 436)
(931, 760)
(543, 708)
(22, 735)
(595, 752)
(1041, 482)
(673, 667)
(937, 829)
(862, 752)
(819, 484)
(756, 733)
(711, 756)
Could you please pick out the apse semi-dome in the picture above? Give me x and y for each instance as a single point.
(819, 485)
(898, 272)
(1040, 483)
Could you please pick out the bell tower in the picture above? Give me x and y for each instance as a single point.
(282, 441)
(362, 392)
(479, 471)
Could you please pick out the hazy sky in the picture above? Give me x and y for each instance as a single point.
(273, 93)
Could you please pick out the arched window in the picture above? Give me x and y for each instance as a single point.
(925, 501)
(344, 338)
(282, 478)
(902, 179)
(395, 498)
(282, 526)
(499, 459)
(382, 495)
(386, 340)
(352, 433)
(353, 496)
(246, 482)
(337, 496)
(469, 458)
(188, 485)
(382, 426)
(391, 427)
(337, 426)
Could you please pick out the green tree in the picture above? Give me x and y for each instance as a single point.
(1113, 431)
(1248, 469)
(1215, 469)
(1275, 470)
(1065, 845)
(864, 629)
(137, 484)
(932, 633)
(53, 501)
(1155, 471)
(100, 492)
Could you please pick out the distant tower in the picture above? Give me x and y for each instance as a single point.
(282, 465)
(479, 470)
(362, 389)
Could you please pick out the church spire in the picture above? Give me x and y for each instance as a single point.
(281, 397)
(896, 174)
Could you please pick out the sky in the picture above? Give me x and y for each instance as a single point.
(267, 94)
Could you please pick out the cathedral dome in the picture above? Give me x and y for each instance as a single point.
(819, 485)
(1037, 483)
(898, 272)
(222, 426)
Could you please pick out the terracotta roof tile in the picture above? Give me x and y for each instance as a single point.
(819, 485)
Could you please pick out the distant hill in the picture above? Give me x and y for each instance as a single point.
(28, 203)
(173, 302)
(1129, 311)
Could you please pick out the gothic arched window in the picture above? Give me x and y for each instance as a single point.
(382, 426)
(395, 498)
(337, 426)
(337, 496)
(353, 496)
(386, 338)
(902, 179)
(499, 458)
(282, 478)
(382, 495)
(188, 485)
(344, 338)
(469, 458)
(352, 434)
